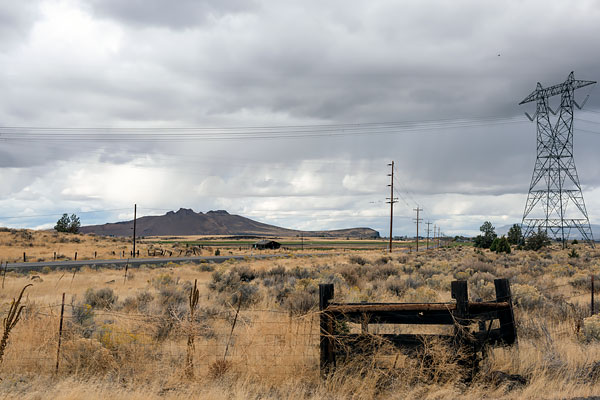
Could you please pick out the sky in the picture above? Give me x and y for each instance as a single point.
(286, 112)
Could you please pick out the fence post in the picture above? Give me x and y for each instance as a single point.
(4, 273)
(75, 256)
(326, 323)
(460, 293)
(24, 257)
(126, 268)
(60, 329)
(508, 331)
(592, 303)
(54, 256)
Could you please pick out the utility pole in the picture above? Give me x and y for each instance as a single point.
(302, 240)
(428, 223)
(134, 221)
(434, 234)
(439, 236)
(417, 220)
(391, 201)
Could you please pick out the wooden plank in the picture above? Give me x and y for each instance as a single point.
(425, 317)
(375, 307)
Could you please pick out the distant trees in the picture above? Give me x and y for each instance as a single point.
(500, 245)
(537, 240)
(485, 241)
(515, 235)
(68, 224)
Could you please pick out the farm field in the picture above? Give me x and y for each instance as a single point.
(15, 244)
(255, 330)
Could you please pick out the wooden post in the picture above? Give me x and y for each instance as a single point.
(4, 273)
(326, 335)
(95, 254)
(461, 295)
(126, 267)
(75, 256)
(60, 329)
(508, 331)
(54, 256)
(24, 257)
(592, 303)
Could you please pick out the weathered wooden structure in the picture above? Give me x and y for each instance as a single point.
(462, 314)
(266, 244)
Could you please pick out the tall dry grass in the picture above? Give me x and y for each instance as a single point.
(134, 344)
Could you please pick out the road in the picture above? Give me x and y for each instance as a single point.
(135, 262)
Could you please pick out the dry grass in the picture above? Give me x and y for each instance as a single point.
(42, 246)
(133, 342)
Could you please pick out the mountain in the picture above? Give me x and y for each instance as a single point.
(187, 222)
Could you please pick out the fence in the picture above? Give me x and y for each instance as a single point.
(264, 342)
(460, 314)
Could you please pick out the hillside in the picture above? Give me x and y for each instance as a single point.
(187, 222)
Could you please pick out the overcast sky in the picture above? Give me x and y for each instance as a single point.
(233, 63)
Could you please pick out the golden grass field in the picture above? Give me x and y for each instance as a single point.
(127, 337)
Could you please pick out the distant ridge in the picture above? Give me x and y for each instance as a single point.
(220, 222)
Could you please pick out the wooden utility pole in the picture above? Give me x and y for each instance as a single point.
(391, 202)
(417, 220)
(134, 221)
(434, 234)
(428, 224)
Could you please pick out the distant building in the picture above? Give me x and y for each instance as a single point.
(266, 244)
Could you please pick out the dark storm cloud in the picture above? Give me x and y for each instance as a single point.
(234, 63)
(180, 14)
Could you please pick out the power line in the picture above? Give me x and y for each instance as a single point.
(173, 134)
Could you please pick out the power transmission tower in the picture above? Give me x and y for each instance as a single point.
(391, 201)
(428, 223)
(417, 220)
(555, 183)
(439, 235)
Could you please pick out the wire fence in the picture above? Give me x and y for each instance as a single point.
(266, 342)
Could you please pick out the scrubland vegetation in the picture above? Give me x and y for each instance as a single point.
(254, 333)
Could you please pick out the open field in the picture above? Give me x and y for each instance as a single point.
(128, 337)
(46, 245)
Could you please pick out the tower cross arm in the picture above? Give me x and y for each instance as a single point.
(570, 84)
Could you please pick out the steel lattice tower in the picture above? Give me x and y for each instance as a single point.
(555, 201)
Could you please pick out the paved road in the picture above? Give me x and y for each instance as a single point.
(135, 262)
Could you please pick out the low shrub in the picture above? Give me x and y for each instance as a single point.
(591, 328)
(102, 298)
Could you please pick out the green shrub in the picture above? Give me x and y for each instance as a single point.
(537, 240)
(573, 254)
